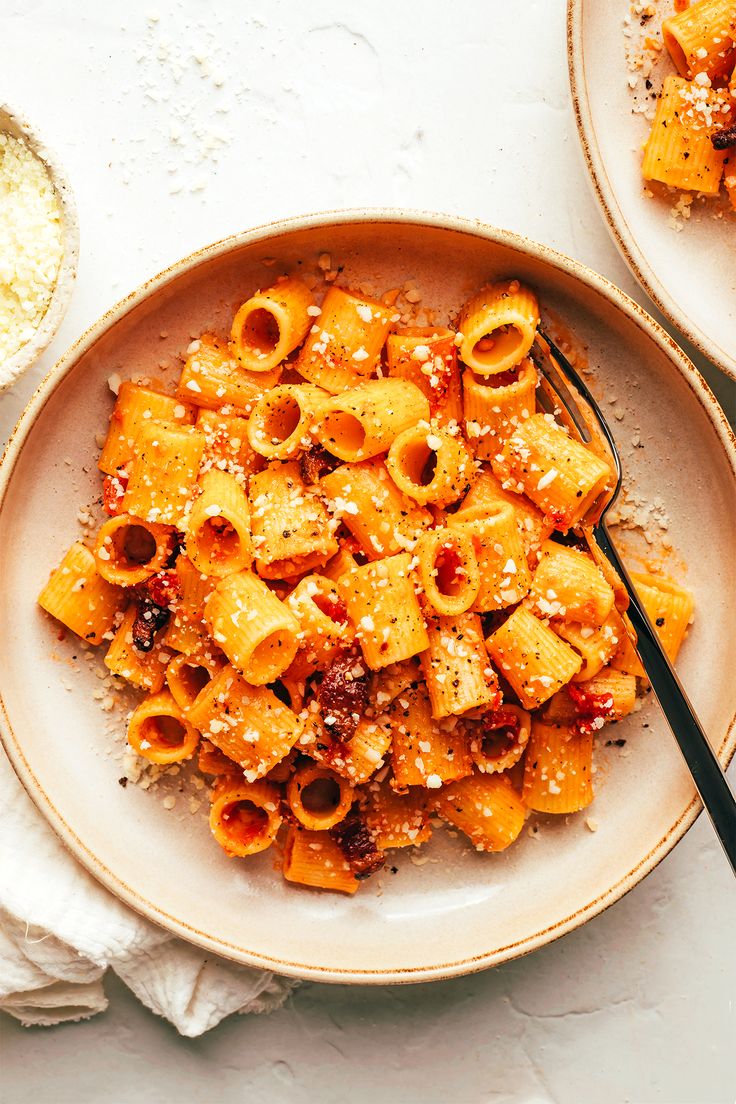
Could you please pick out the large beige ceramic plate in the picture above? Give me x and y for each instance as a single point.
(690, 274)
(460, 911)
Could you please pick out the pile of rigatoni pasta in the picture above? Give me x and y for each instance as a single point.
(342, 562)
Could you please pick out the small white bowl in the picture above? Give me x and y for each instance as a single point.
(11, 122)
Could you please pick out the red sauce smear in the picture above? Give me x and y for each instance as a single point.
(505, 726)
(592, 709)
(113, 489)
(333, 608)
(449, 566)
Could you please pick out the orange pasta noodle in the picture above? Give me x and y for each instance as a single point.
(494, 406)
(595, 646)
(344, 345)
(456, 666)
(397, 819)
(318, 797)
(485, 807)
(425, 751)
(371, 506)
(427, 356)
(163, 473)
(186, 630)
(159, 731)
(558, 770)
(502, 567)
(244, 818)
(256, 631)
(212, 378)
(448, 570)
(227, 447)
(430, 465)
(314, 859)
(78, 596)
(533, 526)
(144, 670)
(567, 584)
(497, 326)
(134, 408)
(700, 39)
(362, 422)
(271, 324)
(670, 609)
(324, 629)
(560, 475)
(532, 658)
(247, 723)
(129, 550)
(187, 676)
(281, 421)
(609, 696)
(383, 607)
(292, 531)
(679, 151)
(218, 529)
(498, 738)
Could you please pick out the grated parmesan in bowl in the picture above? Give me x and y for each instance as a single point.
(38, 247)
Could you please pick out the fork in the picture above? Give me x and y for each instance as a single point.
(564, 394)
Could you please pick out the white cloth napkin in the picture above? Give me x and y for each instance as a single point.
(60, 931)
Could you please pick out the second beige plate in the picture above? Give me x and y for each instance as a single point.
(459, 911)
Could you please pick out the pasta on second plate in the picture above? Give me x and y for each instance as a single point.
(342, 563)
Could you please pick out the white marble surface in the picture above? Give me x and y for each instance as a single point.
(178, 127)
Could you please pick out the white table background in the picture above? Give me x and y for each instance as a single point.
(177, 127)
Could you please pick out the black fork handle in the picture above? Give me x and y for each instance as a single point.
(707, 774)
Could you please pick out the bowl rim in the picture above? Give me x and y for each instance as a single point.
(611, 209)
(265, 232)
(24, 358)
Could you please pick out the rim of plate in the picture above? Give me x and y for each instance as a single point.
(611, 208)
(579, 272)
(25, 357)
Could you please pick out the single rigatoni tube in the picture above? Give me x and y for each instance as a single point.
(314, 859)
(430, 465)
(361, 758)
(534, 527)
(318, 797)
(498, 325)
(163, 473)
(363, 422)
(368, 502)
(425, 751)
(144, 670)
(679, 151)
(502, 566)
(397, 819)
(498, 737)
(561, 476)
(324, 629)
(218, 538)
(493, 406)
(187, 676)
(485, 807)
(557, 770)
(256, 631)
(271, 324)
(344, 344)
(595, 646)
(282, 419)
(567, 584)
(670, 609)
(244, 818)
(456, 666)
(212, 378)
(134, 408)
(249, 724)
(532, 658)
(383, 607)
(700, 39)
(159, 731)
(448, 570)
(78, 596)
(427, 357)
(292, 531)
(129, 550)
